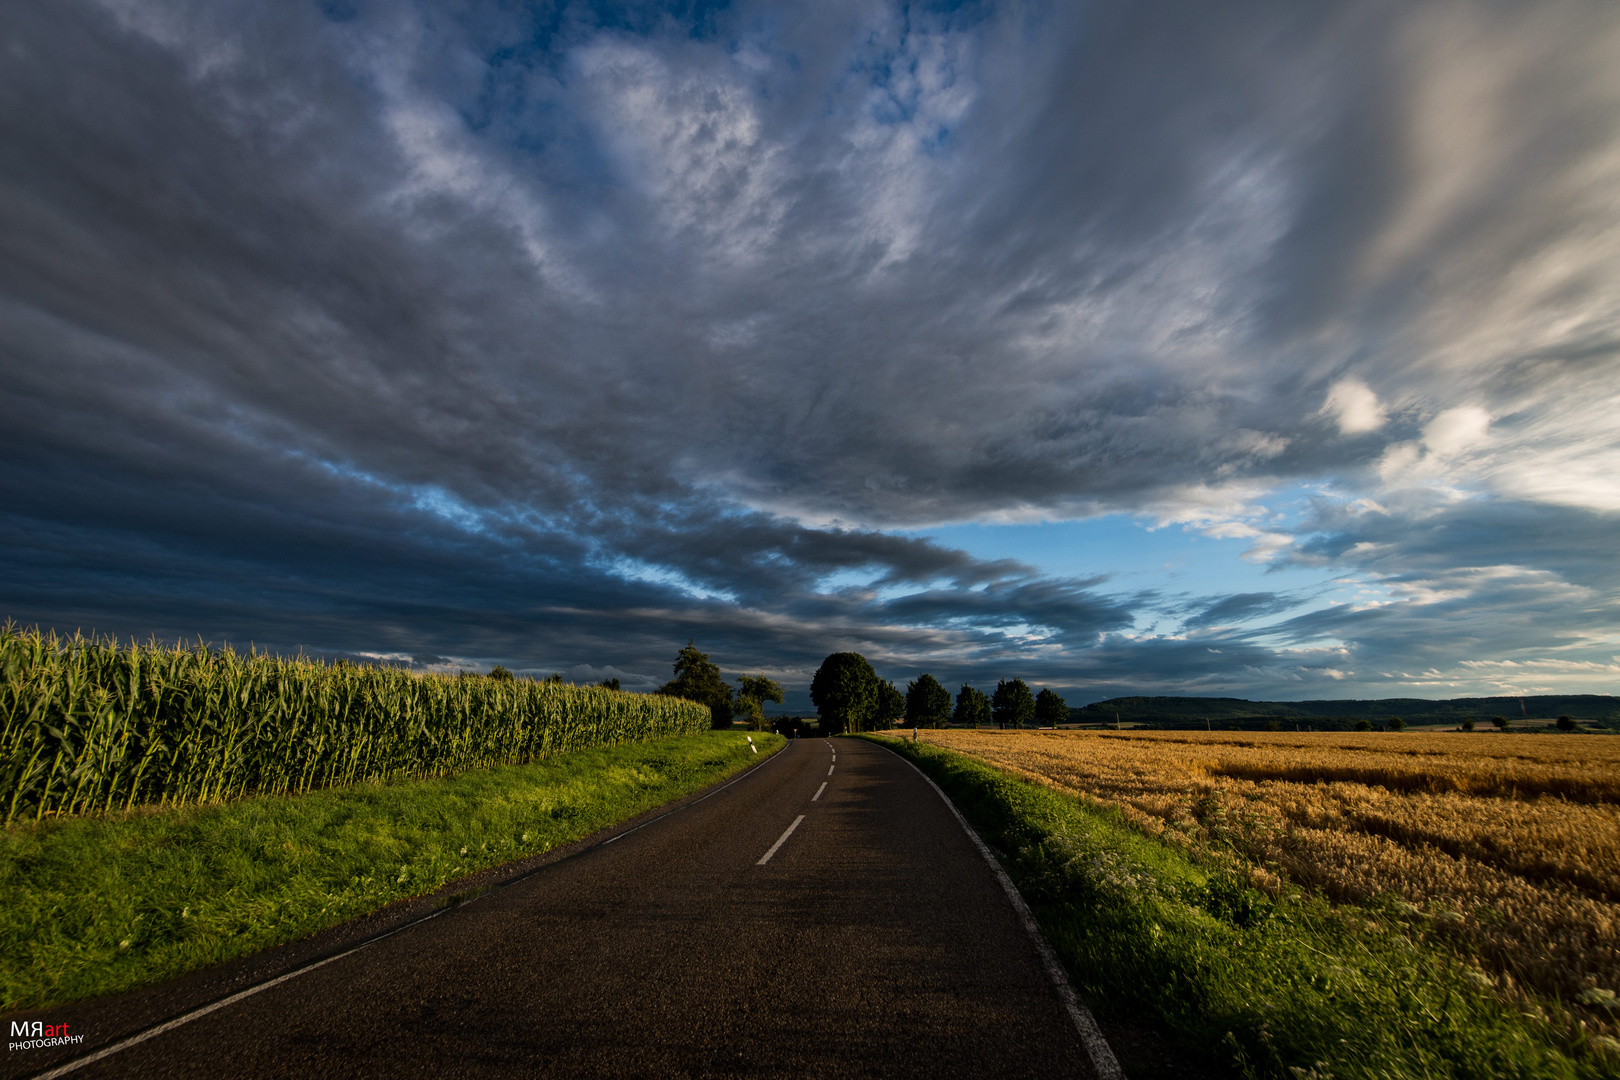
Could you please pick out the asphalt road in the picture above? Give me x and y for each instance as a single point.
(870, 940)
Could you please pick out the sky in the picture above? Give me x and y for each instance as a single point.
(1260, 349)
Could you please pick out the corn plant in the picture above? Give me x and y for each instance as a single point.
(88, 725)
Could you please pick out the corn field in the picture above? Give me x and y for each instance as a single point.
(89, 726)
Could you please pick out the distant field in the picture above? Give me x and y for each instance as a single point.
(1191, 713)
(1510, 845)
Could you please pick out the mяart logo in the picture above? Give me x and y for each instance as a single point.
(35, 1034)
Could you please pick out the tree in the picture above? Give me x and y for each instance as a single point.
(1397, 724)
(1363, 725)
(1050, 710)
(1501, 722)
(752, 694)
(1468, 725)
(1013, 704)
(698, 679)
(972, 707)
(928, 704)
(845, 693)
(1565, 724)
(500, 674)
(609, 684)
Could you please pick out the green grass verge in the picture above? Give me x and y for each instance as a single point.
(92, 906)
(1254, 985)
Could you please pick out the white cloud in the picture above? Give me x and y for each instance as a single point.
(1567, 452)
(1354, 406)
(1399, 461)
(692, 138)
(1456, 430)
(1445, 458)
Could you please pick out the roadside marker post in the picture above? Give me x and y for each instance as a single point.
(751, 745)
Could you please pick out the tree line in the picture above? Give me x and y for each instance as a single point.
(849, 696)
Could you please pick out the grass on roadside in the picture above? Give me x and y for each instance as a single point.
(1287, 987)
(93, 906)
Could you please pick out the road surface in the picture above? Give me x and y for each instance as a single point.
(825, 915)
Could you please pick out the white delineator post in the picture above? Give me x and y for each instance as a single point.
(751, 745)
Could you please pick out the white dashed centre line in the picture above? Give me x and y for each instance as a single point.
(780, 840)
(830, 768)
(819, 790)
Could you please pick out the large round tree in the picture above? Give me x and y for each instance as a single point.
(845, 693)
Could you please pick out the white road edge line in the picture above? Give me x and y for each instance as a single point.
(186, 1018)
(819, 790)
(150, 1033)
(780, 840)
(1103, 1061)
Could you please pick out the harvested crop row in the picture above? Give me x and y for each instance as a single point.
(1464, 827)
(88, 726)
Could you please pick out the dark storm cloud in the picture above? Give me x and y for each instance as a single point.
(1068, 607)
(557, 336)
(1238, 607)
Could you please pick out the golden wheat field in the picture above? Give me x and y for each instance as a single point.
(1510, 842)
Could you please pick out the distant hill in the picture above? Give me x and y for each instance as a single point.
(1240, 713)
